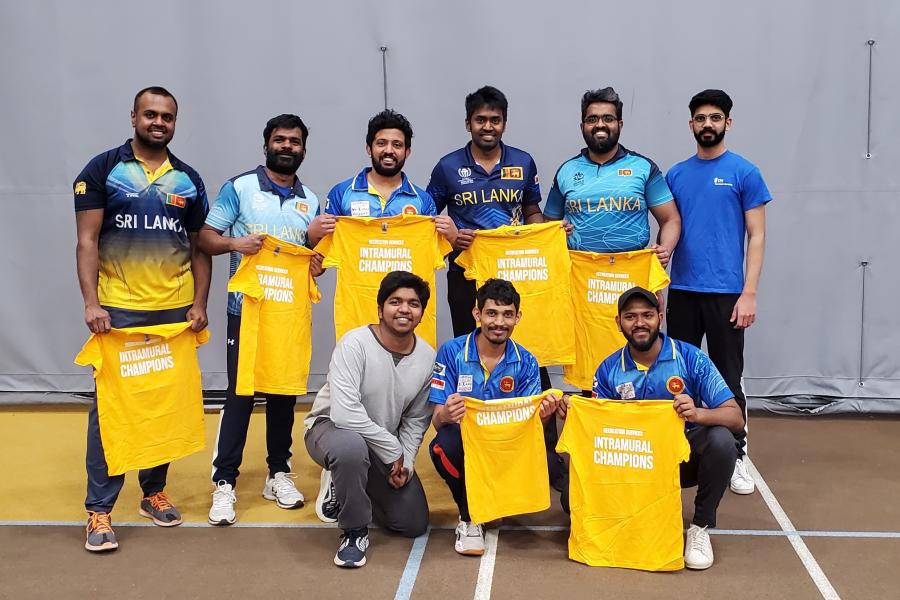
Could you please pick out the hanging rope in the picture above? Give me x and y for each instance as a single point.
(384, 73)
(871, 44)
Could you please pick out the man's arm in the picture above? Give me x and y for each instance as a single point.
(201, 269)
(744, 313)
(413, 424)
(669, 221)
(728, 414)
(212, 241)
(87, 262)
(532, 213)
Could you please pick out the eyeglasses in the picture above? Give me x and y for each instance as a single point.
(715, 118)
(594, 119)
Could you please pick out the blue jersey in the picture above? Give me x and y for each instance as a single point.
(251, 203)
(352, 198)
(458, 368)
(607, 204)
(712, 197)
(476, 199)
(680, 368)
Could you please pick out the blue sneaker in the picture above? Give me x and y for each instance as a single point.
(352, 551)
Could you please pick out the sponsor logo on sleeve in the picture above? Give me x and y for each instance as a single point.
(516, 173)
(439, 369)
(437, 384)
(80, 188)
(507, 384)
(464, 383)
(675, 385)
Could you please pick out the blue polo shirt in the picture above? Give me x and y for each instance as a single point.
(250, 203)
(476, 199)
(458, 368)
(680, 368)
(351, 198)
(607, 204)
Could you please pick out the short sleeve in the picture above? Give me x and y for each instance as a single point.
(656, 190)
(89, 188)
(443, 376)
(530, 384)
(441, 250)
(428, 205)
(326, 248)
(245, 280)
(333, 204)
(437, 189)
(707, 380)
(602, 386)
(532, 193)
(657, 279)
(90, 354)
(754, 191)
(198, 207)
(553, 209)
(466, 260)
(225, 212)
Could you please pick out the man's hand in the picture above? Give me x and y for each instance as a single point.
(446, 227)
(96, 318)
(744, 313)
(399, 474)
(662, 253)
(568, 227)
(315, 265)
(454, 409)
(249, 244)
(562, 409)
(321, 226)
(686, 409)
(197, 315)
(549, 405)
(464, 239)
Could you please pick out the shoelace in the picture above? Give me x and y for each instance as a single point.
(223, 498)
(160, 501)
(284, 484)
(742, 470)
(697, 544)
(473, 530)
(99, 522)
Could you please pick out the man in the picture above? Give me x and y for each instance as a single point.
(483, 185)
(722, 198)
(367, 422)
(138, 211)
(267, 200)
(605, 193)
(383, 190)
(642, 370)
(477, 365)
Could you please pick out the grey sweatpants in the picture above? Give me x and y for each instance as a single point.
(361, 483)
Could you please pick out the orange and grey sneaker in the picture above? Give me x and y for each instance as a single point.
(160, 510)
(99, 532)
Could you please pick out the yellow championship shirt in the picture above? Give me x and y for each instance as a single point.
(597, 282)
(276, 319)
(624, 483)
(505, 457)
(364, 250)
(535, 259)
(149, 399)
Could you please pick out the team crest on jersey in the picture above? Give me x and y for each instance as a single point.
(80, 188)
(517, 173)
(302, 208)
(176, 200)
(624, 172)
(507, 384)
(578, 179)
(675, 385)
(409, 209)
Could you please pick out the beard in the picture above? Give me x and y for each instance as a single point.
(715, 140)
(388, 171)
(601, 146)
(152, 143)
(643, 346)
(285, 163)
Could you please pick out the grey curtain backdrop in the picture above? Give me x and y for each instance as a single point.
(798, 73)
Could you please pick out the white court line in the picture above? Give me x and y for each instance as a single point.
(812, 566)
(411, 571)
(486, 568)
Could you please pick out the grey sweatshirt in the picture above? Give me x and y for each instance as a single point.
(366, 393)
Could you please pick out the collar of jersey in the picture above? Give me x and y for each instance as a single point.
(126, 153)
(470, 160)
(667, 352)
(619, 156)
(361, 184)
(470, 349)
(265, 184)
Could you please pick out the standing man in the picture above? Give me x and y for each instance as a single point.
(269, 200)
(485, 364)
(483, 185)
(605, 192)
(367, 422)
(138, 210)
(654, 366)
(722, 198)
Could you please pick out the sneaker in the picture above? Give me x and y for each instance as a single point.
(698, 552)
(222, 510)
(282, 490)
(741, 481)
(158, 508)
(99, 533)
(352, 551)
(327, 507)
(469, 538)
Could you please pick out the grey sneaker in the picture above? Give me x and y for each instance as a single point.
(99, 533)
(160, 510)
(282, 490)
(352, 551)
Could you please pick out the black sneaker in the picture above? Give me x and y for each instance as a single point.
(327, 507)
(352, 551)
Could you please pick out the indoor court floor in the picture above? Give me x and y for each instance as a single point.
(824, 523)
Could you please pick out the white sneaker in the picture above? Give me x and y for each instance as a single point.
(469, 538)
(741, 481)
(282, 490)
(327, 507)
(222, 510)
(698, 552)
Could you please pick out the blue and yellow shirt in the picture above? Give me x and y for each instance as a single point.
(458, 368)
(145, 252)
(354, 198)
(250, 203)
(607, 204)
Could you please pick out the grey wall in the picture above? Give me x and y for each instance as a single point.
(797, 71)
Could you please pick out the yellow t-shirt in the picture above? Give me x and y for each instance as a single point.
(624, 483)
(535, 259)
(597, 282)
(364, 250)
(505, 457)
(149, 398)
(276, 319)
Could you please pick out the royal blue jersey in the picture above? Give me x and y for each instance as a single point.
(353, 198)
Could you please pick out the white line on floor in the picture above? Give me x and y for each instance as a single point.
(486, 568)
(411, 571)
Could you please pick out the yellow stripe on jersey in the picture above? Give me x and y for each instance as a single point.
(149, 398)
(381, 198)
(505, 457)
(154, 174)
(535, 259)
(276, 319)
(624, 483)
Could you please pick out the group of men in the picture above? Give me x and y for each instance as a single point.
(146, 237)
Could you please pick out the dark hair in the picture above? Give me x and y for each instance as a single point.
(156, 91)
(500, 291)
(717, 98)
(389, 119)
(487, 96)
(286, 121)
(607, 94)
(395, 280)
